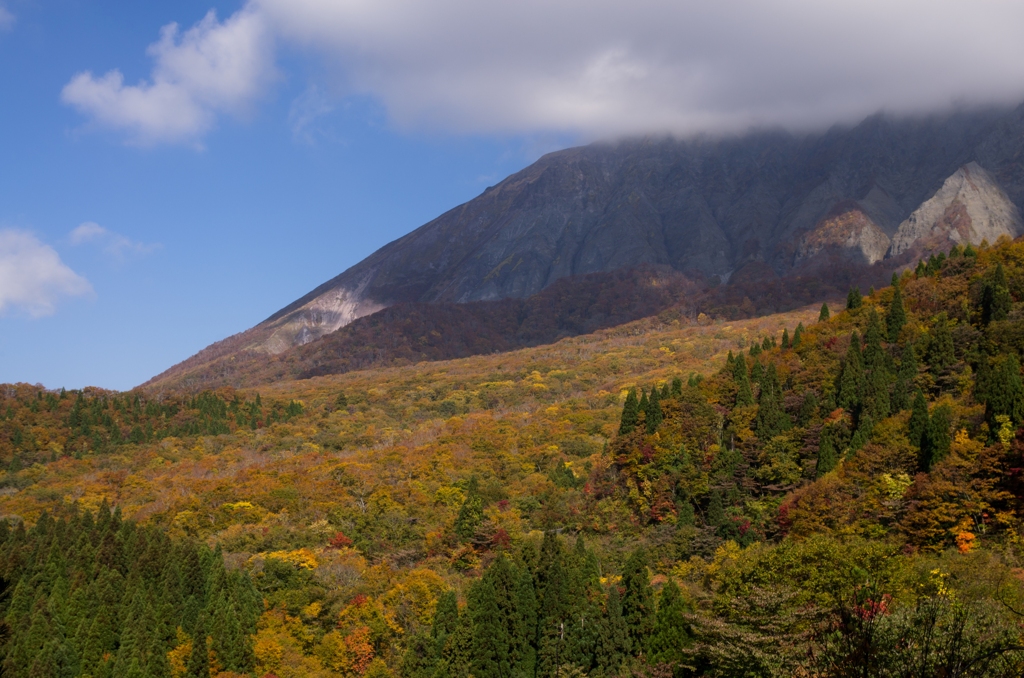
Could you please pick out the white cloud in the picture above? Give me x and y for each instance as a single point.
(114, 244)
(214, 67)
(32, 276)
(596, 67)
(6, 18)
(606, 67)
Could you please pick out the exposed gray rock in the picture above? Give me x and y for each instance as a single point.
(969, 207)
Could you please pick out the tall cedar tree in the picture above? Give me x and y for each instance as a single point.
(785, 338)
(614, 645)
(677, 387)
(798, 334)
(744, 396)
(854, 300)
(995, 297)
(629, 413)
(671, 631)
(937, 437)
(827, 456)
(824, 314)
(896, 318)
(654, 414)
(851, 377)
(638, 602)
(917, 428)
(771, 417)
(1002, 391)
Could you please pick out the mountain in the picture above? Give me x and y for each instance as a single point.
(754, 208)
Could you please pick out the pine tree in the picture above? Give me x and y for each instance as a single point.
(757, 373)
(739, 375)
(785, 338)
(198, 665)
(664, 394)
(638, 602)
(1004, 392)
(808, 408)
(798, 335)
(937, 437)
(824, 314)
(854, 300)
(896, 318)
(771, 418)
(490, 639)
(629, 413)
(671, 631)
(614, 644)
(995, 297)
(828, 458)
(446, 620)
(917, 427)
(677, 386)
(553, 604)
(874, 354)
(851, 378)
(654, 414)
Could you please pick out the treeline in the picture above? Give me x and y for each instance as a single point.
(38, 426)
(95, 595)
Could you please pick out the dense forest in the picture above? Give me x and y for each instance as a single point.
(828, 492)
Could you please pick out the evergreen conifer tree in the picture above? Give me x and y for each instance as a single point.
(671, 631)
(785, 338)
(1003, 394)
(995, 297)
(874, 354)
(716, 509)
(917, 427)
(677, 386)
(490, 646)
(771, 418)
(654, 415)
(798, 334)
(824, 314)
(629, 413)
(828, 458)
(854, 300)
(638, 602)
(614, 643)
(937, 437)
(851, 378)
(896, 318)
(743, 392)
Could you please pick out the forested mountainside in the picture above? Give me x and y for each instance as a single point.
(828, 492)
(407, 333)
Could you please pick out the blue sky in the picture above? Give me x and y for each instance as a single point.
(220, 237)
(164, 187)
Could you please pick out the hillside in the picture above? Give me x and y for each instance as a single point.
(412, 332)
(767, 497)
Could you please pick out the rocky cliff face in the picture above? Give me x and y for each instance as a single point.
(770, 203)
(969, 207)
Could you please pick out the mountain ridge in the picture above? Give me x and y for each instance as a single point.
(707, 208)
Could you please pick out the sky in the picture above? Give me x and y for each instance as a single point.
(173, 173)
